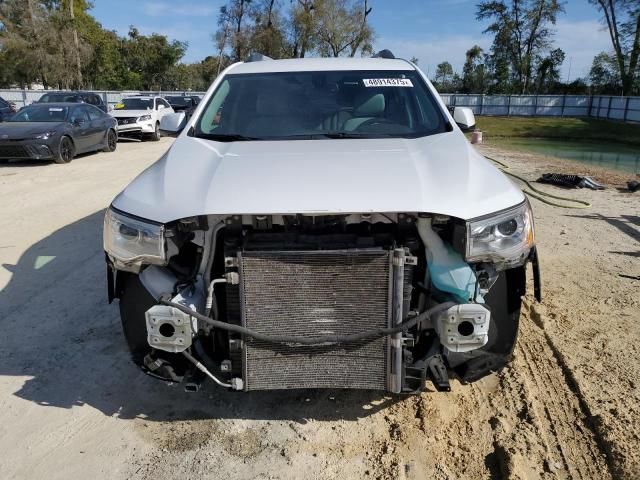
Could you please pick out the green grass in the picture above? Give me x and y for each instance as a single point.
(583, 129)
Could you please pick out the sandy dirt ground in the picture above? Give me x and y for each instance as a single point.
(74, 407)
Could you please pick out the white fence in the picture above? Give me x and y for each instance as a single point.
(625, 109)
(26, 97)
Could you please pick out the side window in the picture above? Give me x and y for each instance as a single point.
(3, 103)
(212, 117)
(94, 113)
(97, 100)
(79, 114)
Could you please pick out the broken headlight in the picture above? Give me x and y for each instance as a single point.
(504, 238)
(131, 241)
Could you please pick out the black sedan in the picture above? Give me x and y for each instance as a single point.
(185, 103)
(57, 131)
(6, 109)
(74, 97)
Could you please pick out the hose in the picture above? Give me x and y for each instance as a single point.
(204, 370)
(211, 303)
(313, 341)
(539, 194)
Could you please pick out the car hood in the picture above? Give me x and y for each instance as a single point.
(440, 174)
(130, 113)
(19, 130)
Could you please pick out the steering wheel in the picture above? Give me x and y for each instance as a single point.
(375, 121)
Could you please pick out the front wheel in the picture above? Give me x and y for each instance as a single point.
(66, 151)
(155, 136)
(112, 141)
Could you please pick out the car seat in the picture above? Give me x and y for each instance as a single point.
(367, 106)
(274, 116)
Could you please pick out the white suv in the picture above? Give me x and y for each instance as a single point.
(140, 116)
(320, 223)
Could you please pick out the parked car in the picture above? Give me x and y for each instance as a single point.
(140, 116)
(321, 223)
(56, 131)
(6, 109)
(74, 97)
(181, 103)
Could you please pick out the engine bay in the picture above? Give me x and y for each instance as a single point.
(240, 293)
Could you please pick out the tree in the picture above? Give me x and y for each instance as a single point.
(473, 72)
(342, 27)
(522, 31)
(302, 28)
(605, 74)
(622, 18)
(148, 59)
(548, 71)
(232, 27)
(268, 35)
(444, 71)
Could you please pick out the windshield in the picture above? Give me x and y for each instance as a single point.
(135, 104)
(41, 114)
(310, 105)
(57, 98)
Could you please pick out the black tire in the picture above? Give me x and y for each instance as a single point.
(155, 136)
(66, 150)
(112, 141)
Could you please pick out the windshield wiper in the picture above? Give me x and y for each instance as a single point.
(226, 137)
(342, 135)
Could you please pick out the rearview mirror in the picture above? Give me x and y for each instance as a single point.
(464, 117)
(172, 124)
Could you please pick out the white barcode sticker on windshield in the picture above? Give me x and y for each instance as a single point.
(387, 82)
(55, 109)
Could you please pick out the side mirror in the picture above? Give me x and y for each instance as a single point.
(172, 124)
(464, 117)
(78, 122)
(160, 107)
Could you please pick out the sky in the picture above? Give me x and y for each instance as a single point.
(431, 30)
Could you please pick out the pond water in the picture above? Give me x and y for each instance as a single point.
(611, 155)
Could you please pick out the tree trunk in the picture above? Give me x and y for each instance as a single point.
(239, 31)
(76, 45)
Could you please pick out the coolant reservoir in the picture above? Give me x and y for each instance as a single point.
(447, 269)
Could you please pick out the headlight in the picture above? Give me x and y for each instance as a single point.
(144, 118)
(504, 238)
(130, 241)
(45, 135)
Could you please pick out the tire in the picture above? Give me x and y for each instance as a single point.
(112, 141)
(155, 136)
(66, 150)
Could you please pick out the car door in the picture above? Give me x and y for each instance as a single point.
(97, 125)
(162, 108)
(79, 119)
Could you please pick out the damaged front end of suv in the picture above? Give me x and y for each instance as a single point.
(363, 260)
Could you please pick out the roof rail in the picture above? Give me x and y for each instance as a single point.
(386, 53)
(257, 57)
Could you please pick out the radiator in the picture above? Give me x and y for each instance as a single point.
(312, 293)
